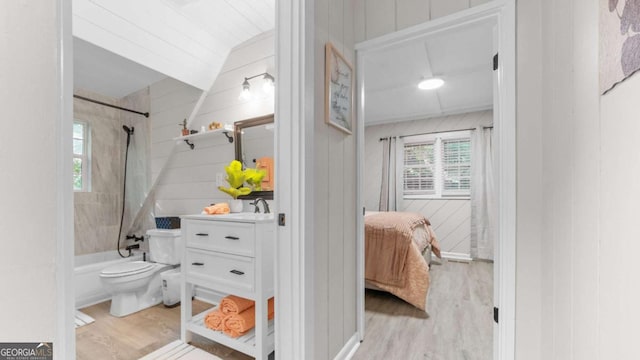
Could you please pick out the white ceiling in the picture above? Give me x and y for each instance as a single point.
(123, 46)
(103, 72)
(462, 57)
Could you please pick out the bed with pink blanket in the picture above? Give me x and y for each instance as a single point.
(398, 247)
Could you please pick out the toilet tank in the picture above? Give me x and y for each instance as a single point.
(165, 246)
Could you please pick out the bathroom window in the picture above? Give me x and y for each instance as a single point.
(81, 166)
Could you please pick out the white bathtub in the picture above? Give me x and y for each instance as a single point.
(87, 270)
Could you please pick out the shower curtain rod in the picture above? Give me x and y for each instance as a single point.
(146, 114)
(435, 132)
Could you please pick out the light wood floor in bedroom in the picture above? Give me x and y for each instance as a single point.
(139, 334)
(459, 324)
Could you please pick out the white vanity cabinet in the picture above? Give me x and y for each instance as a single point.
(230, 254)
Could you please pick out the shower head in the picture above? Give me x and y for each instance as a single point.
(128, 130)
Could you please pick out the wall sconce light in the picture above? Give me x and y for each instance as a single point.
(267, 86)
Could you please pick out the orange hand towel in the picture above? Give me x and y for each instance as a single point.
(221, 208)
(236, 325)
(234, 304)
(213, 320)
(266, 164)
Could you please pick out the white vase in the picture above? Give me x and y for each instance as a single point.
(235, 205)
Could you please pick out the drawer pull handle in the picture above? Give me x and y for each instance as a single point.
(232, 237)
(237, 272)
(197, 263)
(202, 234)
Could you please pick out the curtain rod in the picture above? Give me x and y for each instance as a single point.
(146, 114)
(434, 132)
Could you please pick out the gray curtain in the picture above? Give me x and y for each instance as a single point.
(483, 197)
(392, 168)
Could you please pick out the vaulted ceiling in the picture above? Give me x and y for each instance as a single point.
(187, 40)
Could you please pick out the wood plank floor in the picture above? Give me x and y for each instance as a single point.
(459, 323)
(131, 337)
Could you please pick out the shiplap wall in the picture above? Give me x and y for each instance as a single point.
(450, 218)
(375, 18)
(171, 102)
(189, 181)
(334, 195)
(590, 192)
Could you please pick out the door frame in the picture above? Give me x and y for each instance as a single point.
(503, 11)
(65, 335)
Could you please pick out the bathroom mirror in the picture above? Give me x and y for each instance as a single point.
(254, 149)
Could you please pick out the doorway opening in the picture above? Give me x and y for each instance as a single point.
(434, 142)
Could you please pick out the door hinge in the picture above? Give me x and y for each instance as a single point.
(495, 62)
(364, 211)
(495, 314)
(281, 219)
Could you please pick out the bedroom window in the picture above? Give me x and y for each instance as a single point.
(437, 165)
(419, 168)
(81, 166)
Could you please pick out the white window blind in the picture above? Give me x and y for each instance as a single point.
(81, 165)
(419, 169)
(456, 166)
(437, 165)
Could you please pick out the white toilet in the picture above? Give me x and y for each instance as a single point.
(136, 285)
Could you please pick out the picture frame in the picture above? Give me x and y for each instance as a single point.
(619, 43)
(339, 81)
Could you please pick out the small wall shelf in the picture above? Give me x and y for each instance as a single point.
(188, 139)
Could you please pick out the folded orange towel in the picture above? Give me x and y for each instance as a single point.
(234, 304)
(221, 208)
(213, 320)
(236, 325)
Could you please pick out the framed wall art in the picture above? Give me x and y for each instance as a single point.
(619, 41)
(338, 90)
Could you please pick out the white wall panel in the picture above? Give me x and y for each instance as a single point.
(30, 188)
(530, 314)
(171, 101)
(374, 18)
(321, 190)
(189, 181)
(412, 12)
(380, 17)
(440, 8)
(587, 252)
(478, 2)
(333, 196)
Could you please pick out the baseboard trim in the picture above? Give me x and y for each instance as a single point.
(456, 256)
(349, 349)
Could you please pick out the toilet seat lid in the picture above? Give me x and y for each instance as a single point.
(127, 268)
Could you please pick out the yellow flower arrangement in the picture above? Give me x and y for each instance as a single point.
(236, 178)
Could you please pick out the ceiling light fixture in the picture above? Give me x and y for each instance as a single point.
(267, 86)
(430, 84)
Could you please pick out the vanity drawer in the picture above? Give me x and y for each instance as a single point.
(227, 237)
(229, 271)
